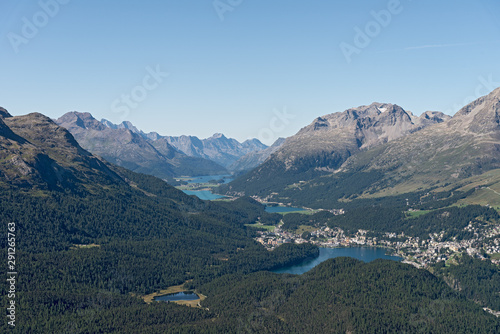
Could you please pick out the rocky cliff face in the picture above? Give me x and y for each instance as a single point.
(480, 116)
(330, 140)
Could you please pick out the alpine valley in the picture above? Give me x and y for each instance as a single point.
(99, 233)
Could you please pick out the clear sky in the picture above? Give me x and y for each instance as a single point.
(246, 68)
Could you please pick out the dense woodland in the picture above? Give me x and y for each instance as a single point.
(76, 252)
(345, 295)
(85, 258)
(475, 279)
(293, 221)
(451, 219)
(321, 190)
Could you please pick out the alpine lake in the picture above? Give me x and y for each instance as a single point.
(174, 297)
(201, 186)
(365, 254)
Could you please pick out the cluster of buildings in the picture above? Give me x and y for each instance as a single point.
(415, 251)
(322, 237)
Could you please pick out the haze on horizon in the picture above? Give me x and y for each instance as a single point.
(243, 68)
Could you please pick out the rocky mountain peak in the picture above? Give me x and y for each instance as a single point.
(4, 113)
(130, 126)
(362, 117)
(320, 123)
(366, 125)
(253, 144)
(435, 116)
(218, 136)
(47, 156)
(480, 116)
(82, 120)
(108, 124)
(38, 128)
(325, 144)
(153, 136)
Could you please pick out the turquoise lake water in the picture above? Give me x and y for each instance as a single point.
(206, 195)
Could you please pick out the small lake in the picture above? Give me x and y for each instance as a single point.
(282, 209)
(366, 254)
(177, 296)
(206, 195)
(210, 178)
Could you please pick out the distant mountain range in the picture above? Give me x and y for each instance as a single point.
(227, 152)
(218, 148)
(255, 158)
(381, 150)
(162, 156)
(125, 147)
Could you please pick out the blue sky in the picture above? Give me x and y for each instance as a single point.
(246, 68)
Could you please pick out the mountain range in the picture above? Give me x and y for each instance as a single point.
(323, 146)
(166, 157)
(218, 148)
(456, 152)
(126, 148)
(370, 151)
(380, 150)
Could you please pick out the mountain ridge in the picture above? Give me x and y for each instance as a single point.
(432, 152)
(43, 155)
(255, 158)
(466, 145)
(126, 147)
(217, 148)
(324, 145)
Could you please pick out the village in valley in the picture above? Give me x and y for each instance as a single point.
(420, 253)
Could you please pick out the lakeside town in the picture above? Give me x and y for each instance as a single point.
(420, 253)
